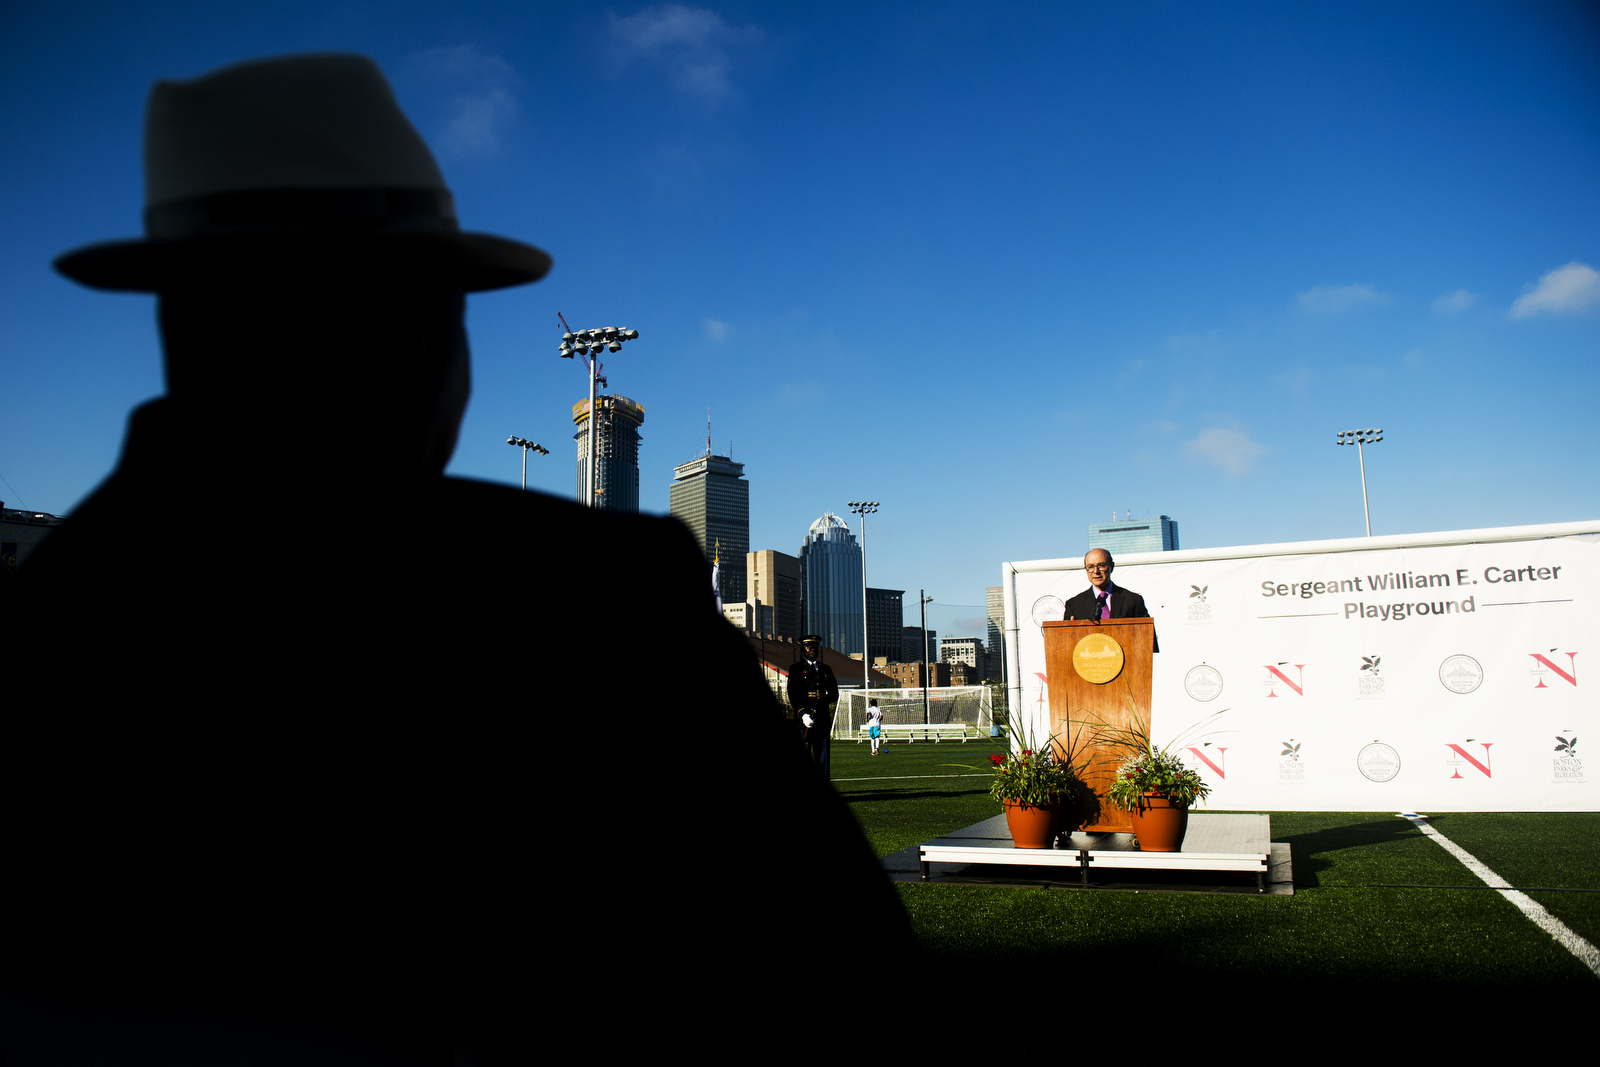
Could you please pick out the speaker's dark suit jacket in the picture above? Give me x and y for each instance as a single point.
(1125, 604)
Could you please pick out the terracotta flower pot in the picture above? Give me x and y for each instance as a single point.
(1159, 824)
(1032, 826)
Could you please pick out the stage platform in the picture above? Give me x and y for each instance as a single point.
(1220, 854)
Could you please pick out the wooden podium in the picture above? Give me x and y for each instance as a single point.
(1075, 664)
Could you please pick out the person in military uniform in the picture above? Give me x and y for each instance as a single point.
(813, 692)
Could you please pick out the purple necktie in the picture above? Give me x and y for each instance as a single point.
(1105, 605)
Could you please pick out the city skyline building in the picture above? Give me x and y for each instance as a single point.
(830, 578)
(910, 675)
(773, 578)
(710, 496)
(967, 650)
(911, 644)
(995, 598)
(21, 531)
(885, 617)
(1131, 535)
(616, 436)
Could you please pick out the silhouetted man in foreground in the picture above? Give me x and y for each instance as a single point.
(277, 773)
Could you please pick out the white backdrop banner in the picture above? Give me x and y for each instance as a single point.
(1444, 677)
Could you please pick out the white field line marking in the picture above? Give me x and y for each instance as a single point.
(1587, 954)
(909, 777)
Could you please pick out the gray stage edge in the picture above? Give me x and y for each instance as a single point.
(1220, 854)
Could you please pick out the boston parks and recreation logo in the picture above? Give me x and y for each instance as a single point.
(1378, 762)
(1460, 674)
(1369, 682)
(1567, 767)
(1203, 683)
(1290, 770)
(1199, 610)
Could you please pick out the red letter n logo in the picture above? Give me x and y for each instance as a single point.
(1217, 766)
(1279, 676)
(1572, 661)
(1464, 754)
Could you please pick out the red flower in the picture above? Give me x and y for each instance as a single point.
(997, 759)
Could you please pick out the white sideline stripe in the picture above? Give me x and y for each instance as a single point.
(1587, 954)
(908, 777)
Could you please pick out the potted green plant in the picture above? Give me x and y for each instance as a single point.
(1152, 784)
(1036, 785)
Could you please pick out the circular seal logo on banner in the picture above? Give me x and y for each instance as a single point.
(1461, 674)
(1203, 682)
(1047, 609)
(1378, 762)
(1097, 658)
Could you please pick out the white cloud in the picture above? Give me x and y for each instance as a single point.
(1574, 287)
(1232, 450)
(692, 45)
(478, 97)
(717, 331)
(1455, 303)
(1327, 299)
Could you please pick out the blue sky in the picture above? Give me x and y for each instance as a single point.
(1003, 268)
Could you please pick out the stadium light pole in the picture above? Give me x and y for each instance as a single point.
(864, 508)
(527, 446)
(922, 595)
(1360, 438)
(587, 343)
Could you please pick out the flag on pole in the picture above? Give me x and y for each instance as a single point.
(716, 568)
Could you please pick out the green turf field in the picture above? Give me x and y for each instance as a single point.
(1339, 928)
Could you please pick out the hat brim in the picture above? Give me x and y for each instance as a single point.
(473, 262)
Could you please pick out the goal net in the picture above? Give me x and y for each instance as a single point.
(970, 705)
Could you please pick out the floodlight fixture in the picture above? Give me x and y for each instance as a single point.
(1369, 436)
(924, 600)
(591, 343)
(526, 446)
(864, 508)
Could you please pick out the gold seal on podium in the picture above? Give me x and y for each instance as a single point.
(1097, 658)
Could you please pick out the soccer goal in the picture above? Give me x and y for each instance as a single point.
(958, 712)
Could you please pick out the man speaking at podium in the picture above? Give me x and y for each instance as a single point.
(1104, 599)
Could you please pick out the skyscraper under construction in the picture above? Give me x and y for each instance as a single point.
(616, 439)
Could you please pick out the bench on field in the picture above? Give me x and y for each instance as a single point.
(935, 732)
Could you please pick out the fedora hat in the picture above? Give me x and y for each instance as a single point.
(296, 162)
